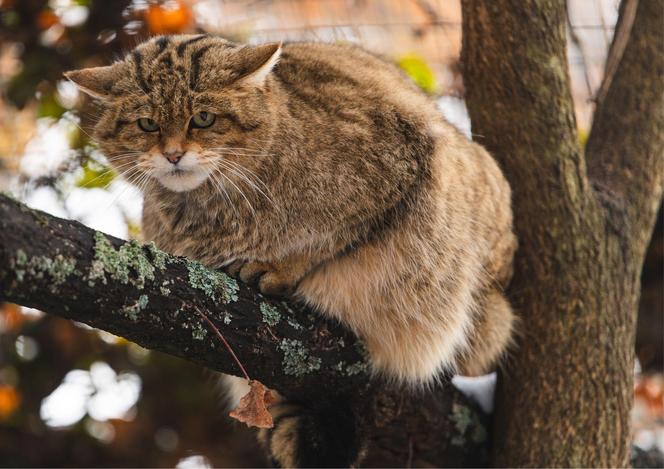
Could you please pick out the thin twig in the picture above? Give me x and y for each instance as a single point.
(226, 344)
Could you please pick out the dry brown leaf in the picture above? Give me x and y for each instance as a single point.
(252, 409)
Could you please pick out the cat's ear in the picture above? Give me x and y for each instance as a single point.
(259, 60)
(96, 81)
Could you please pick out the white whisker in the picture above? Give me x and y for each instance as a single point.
(251, 208)
(222, 191)
(239, 171)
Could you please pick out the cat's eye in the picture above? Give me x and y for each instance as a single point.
(147, 125)
(202, 120)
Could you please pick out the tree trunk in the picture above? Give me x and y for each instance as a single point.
(565, 394)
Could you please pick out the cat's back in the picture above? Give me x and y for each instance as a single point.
(336, 76)
(320, 62)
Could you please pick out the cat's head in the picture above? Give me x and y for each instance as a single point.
(184, 109)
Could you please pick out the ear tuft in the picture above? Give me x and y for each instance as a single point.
(261, 60)
(97, 81)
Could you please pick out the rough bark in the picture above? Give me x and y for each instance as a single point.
(565, 395)
(155, 300)
(624, 149)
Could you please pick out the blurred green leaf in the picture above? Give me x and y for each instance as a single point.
(583, 137)
(10, 18)
(95, 175)
(49, 107)
(420, 72)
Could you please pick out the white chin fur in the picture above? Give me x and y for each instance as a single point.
(182, 182)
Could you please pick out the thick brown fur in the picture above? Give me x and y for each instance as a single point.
(327, 175)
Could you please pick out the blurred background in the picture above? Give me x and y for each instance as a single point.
(73, 396)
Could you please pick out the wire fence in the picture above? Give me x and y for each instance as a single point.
(430, 29)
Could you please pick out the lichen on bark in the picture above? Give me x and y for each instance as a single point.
(57, 268)
(216, 285)
(128, 264)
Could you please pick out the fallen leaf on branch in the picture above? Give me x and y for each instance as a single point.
(252, 409)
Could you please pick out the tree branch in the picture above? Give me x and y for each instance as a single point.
(519, 98)
(154, 299)
(626, 143)
(621, 35)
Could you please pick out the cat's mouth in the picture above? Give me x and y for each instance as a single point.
(182, 179)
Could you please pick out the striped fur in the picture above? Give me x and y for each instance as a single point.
(340, 183)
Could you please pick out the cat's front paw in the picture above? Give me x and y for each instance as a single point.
(273, 284)
(251, 271)
(233, 269)
(271, 281)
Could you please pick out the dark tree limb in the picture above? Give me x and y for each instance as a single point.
(565, 396)
(624, 149)
(621, 35)
(155, 300)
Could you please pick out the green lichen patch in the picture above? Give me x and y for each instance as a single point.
(294, 324)
(155, 319)
(352, 369)
(356, 368)
(57, 268)
(129, 264)
(198, 332)
(297, 360)
(465, 419)
(164, 290)
(291, 319)
(19, 264)
(132, 310)
(270, 314)
(362, 350)
(159, 257)
(216, 285)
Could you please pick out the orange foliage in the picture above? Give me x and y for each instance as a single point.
(253, 407)
(46, 19)
(9, 401)
(11, 317)
(650, 389)
(168, 20)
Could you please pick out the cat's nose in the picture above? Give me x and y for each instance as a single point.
(174, 156)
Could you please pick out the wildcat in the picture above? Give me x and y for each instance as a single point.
(318, 171)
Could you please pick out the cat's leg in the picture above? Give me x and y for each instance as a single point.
(303, 436)
(492, 335)
(313, 436)
(278, 278)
